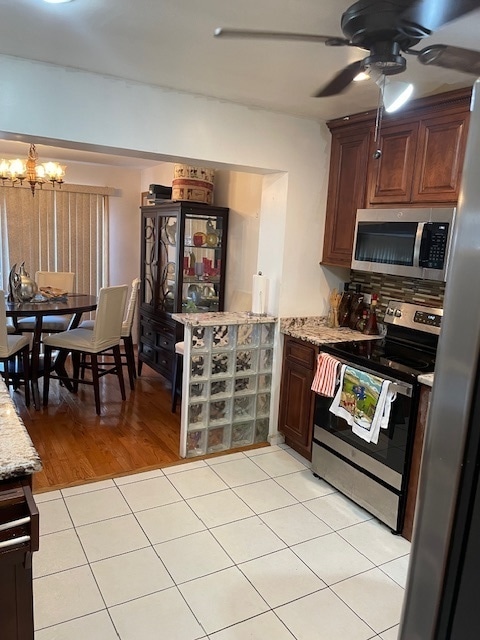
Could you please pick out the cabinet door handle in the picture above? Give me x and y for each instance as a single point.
(14, 523)
(14, 542)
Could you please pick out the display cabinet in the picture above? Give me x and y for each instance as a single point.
(183, 263)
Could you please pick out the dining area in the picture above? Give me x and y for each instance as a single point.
(43, 334)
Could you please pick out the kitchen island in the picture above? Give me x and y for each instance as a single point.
(227, 380)
(19, 536)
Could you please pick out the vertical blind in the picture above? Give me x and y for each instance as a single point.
(56, 230)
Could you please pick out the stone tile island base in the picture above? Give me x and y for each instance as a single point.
(227, 379)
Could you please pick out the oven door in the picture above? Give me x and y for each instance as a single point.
(386, 461)
(374, 476)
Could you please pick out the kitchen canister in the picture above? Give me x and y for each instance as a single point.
(193, 183)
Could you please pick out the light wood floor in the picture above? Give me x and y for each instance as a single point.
(77, 446)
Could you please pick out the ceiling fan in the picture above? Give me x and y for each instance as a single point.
(386, 29)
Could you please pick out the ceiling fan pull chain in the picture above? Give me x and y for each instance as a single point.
(378, 121)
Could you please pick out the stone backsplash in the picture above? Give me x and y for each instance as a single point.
(387, 287)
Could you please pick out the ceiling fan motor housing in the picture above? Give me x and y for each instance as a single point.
(378, 28)
(385, 57)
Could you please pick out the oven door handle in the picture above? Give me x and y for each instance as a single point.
(399, 387)
(402, 389)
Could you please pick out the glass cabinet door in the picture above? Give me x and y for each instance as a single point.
(149, 262)
(167, 263)
(202, 258)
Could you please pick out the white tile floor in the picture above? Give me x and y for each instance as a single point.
(244, 546)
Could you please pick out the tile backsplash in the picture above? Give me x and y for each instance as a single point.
(387, 287)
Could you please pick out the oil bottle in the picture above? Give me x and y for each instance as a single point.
(345, 306)
(371, 327)
(356, 312)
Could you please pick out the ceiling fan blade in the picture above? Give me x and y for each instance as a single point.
(448, 57)
(226, 32)
(433, 14)
(341, 81)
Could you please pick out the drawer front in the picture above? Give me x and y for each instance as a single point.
(301, 353)
(165, 342)
(147, 332)
(147, 352)
(164, 361)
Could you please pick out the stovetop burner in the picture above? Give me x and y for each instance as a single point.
(386, 355)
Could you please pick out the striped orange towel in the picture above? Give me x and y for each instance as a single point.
(325, 378)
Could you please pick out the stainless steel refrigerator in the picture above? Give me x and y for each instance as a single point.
(441, 600)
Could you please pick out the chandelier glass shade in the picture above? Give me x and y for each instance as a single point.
(31, 171)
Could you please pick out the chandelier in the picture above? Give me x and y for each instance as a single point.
(30, 171)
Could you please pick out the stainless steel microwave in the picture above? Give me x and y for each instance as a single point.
(404, 242)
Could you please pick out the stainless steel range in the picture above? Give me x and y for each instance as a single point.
(375, 476)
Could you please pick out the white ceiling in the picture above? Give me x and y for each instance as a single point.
(170, 43)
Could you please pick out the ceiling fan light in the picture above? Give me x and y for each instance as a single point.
(361, 76)
(396, 94)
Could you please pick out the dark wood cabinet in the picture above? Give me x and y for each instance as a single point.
(183, 266)
(416, 462)
(440, 154)
(296, 397)
(421, 164)
(19, 538)
(346, 192)
(390, 176)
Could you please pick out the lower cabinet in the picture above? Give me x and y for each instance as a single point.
(157, 344)
(297, 400)
(417, 452)
(19, 538)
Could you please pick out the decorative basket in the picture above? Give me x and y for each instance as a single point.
(193, 183)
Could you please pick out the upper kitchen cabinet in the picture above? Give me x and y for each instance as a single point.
(183, 262)
(422, 155)
(346, 191)
(390, 176)
(421, 164)
(439, 163)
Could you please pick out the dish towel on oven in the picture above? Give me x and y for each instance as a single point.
(364, 401)
(325, 378)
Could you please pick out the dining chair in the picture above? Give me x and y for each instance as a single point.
(128, 357)
(11, 328)
(63, 280)
(105, 336)
(11, 348)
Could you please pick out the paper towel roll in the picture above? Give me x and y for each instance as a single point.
(259, 294)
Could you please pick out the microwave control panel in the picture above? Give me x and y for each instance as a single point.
(434, 245)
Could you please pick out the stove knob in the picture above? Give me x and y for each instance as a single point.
(398, 313)
(389, 311)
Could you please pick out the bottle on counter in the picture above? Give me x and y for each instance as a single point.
(362, 323)
(356, 312)
(345, 306)
(371, 326)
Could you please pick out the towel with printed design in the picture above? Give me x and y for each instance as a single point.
(364, 401)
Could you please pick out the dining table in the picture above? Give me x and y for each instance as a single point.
(73, 304)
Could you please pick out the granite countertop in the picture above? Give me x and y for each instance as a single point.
(18, 456)
(211, 319)
(313, 329)
(426, 379)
